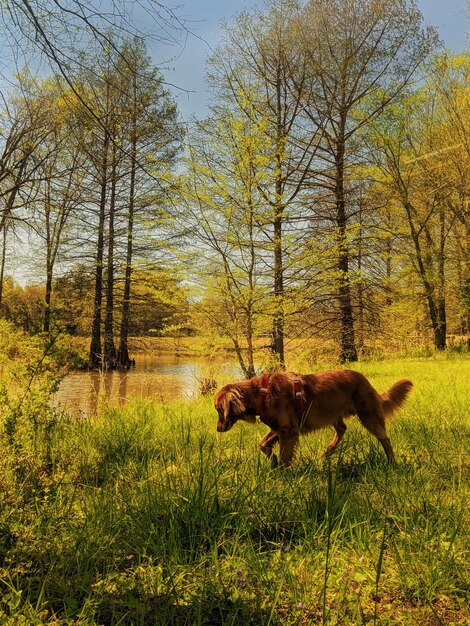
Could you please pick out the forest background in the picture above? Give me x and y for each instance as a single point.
(321, 205)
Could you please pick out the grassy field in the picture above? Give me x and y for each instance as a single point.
(145, 515)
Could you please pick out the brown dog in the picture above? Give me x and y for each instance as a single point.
(292, 405)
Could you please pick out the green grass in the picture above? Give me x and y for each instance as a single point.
(145, 515)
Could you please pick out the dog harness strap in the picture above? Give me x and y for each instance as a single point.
(262, 400)
(298, 395)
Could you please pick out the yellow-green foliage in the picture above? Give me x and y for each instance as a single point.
(146, 515)
(28, 379)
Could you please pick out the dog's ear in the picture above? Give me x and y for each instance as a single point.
(238, 406)
(230, 402)
(224, 403)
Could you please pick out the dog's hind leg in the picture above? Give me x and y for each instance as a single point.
(340, 429)
(387, 446)
(375, 424)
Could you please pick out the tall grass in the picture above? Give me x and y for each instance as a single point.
(145, 515)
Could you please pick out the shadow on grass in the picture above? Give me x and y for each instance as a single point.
(325, 492)
(358, 469)
(209, 609)
(343, 465)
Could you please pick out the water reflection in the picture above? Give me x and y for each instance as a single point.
(156, 377)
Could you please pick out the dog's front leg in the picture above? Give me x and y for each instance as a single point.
(288, 441)
(267, 443)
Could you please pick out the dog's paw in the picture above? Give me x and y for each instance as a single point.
(274, 461)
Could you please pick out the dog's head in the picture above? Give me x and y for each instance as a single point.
(231, 407)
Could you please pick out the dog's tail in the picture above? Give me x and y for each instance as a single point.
(395, 396)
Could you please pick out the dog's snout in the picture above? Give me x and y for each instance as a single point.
(220, 421)
(224, 425)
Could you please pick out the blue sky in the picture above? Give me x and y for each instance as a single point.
(204, 17)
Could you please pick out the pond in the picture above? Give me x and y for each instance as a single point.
(159, 377)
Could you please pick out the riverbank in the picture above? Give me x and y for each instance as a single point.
(303, 354)
(145, 515)
(161, 377)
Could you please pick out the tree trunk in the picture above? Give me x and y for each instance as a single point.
(466, 284)
(95, 359)
(278, 322)
(348, 350)
(465, 293)
(440, 340)
(440, 328)
(388, 271)
(2, 265)
(49, 255)
(122, 358)
(466, 301)
(109, 347)
(250, 305)
(388, 264)
(250, 369)
(47, 300)
(360, 285)
(436, 306)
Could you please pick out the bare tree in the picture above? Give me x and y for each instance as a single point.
(361, 55)
(58, 29)
(25, 129)
(151, 138)
(224, 211)
(260, 72)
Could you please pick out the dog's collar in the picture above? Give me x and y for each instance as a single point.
(299, 397)
(265, 384)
